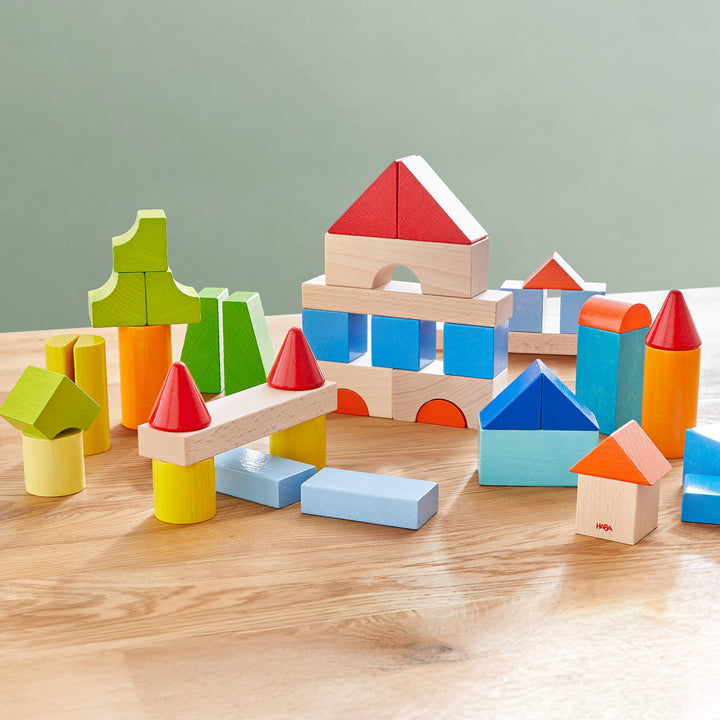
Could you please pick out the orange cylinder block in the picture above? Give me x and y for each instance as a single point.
(145, 358)
(670, 397)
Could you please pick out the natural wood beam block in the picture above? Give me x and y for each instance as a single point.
(372, 384)
(542, 343)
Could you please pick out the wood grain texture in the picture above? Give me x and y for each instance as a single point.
(545, 343)
(373, 384)
(495, 608)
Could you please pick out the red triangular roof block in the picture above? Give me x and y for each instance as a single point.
(554, 274)
(428, 210)
(628, 454)
(674, 328)
(374, 213)
(295, 367)
(179, 406)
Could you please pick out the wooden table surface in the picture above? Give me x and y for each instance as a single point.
(495, 608)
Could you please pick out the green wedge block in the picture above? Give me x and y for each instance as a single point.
(169, 302)
(247, 348)
(120, 302)
(202, 349)
(44, 404)
(143, 248)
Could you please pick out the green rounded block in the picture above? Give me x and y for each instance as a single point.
(44, 404)
(143, 248)
(169, 302)
(120, 302)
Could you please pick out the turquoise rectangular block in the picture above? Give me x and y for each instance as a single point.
(335, 336)
(702, 451)
(528, 307)
(260, 478)
(701, 499)
(369, 498)
(401, 343)
(571, 302)
(474, 351)
(532, 457)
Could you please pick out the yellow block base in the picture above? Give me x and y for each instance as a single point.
(184, 495)
(305, 442)
(54, 468)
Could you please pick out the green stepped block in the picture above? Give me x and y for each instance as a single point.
(143, 248)
(120, 302)
(169, 302)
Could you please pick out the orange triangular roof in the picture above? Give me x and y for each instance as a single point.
(554, 274)
(628, 454)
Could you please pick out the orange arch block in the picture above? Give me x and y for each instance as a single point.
(441, 412)
(613, 315)
(350, 403)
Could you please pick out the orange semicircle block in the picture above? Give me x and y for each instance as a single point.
(441, 412)
(351, 403)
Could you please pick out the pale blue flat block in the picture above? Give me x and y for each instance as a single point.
(475, 351)
(365, 497)
(528, 307)
(401, 343)
(701, 499)
(335, 336)
(532, 457)
(260, 477)
(702, 451)
(571, 302)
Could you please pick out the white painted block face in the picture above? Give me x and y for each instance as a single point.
(615, 510)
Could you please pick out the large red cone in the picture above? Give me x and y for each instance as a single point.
(295, 367)
(179, 406)
(674, 328)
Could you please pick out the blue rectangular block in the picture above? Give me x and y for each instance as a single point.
(701, 499)
(365, 497)
(335, 336)
(532, 457)
(571, 302)
(702, 451)
(528, 307)
(474, 351)
(260, 478)
(402, 344)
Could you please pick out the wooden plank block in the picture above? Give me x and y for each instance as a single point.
(59, 354)
(411, 390)
(237, 420)
(701, 499)
(702, 450)
(120, 302)
(373, 384)
(169, 302)
(442, 269)
(143, 248)
(91, 376)
(304, 443)
(261, 478)
(404, 300)
(54, 468)
(184, 495)
(533, 343)
(369, 498)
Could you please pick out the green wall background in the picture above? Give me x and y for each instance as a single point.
(592, 129)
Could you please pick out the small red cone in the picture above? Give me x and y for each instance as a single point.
(295, 367)
(674, 328)
(179, 406)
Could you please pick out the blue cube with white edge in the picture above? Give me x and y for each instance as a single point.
(528, 307)
(366, 497)
(701, 499)
(335, 336)
(571, 302)
(402, 344)
(260, 477)
(702, 450)
(474, 351)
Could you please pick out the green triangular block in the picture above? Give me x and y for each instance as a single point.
(143, 248)
(120, 302)
(169, 302)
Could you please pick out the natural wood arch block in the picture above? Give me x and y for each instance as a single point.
(372, 384)
(442, 268)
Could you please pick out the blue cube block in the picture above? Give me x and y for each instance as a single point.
(260, 478)
(473, 351)
(701, 499)
(528, 307)
(702, 451)
(571, 302)
(335, 336)
(402, 344)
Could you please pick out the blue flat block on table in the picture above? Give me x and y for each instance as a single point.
(519, 405)
(702, 451)
(571, 302)
(365, 497)
(401, 343)
(701, 499)
(260, 477)
(532, 457)
(335, 336)
(475, 351)
(528, 307)
(561, 410)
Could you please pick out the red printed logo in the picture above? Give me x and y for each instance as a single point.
(603, 526)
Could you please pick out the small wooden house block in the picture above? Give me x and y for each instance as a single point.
(618, 488)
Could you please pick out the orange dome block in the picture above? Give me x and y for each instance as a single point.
(602, 313)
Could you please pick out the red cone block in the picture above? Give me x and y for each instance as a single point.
(179, 406)
(295, 367)
(674, 328)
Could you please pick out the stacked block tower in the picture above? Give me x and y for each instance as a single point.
(387, 367)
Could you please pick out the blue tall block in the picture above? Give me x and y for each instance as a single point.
(571, 302)
(335, 336)
(528, 307)
(702, 451)
(402, 344)
(473, 351)
(701, 499)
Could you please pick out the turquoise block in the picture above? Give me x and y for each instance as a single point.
(474, 351)
(365, 497)
(401, 343)
(532, 457)
(260, 478)
(571, 302)
(701, 499)
(528, 307)
(335, 336)
(702, 451)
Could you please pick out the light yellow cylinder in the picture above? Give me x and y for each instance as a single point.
(59, 354)
(54, 468)
(91, 376)
(184, 495)
(305, 442)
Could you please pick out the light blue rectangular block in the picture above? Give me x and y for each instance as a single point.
(401, 343)
(335, 336)
(702, 451)
(474, 351)
(532, 457)
(260, 477)
(528, 307)
(571, 302)
(365, 497)
(701, 499)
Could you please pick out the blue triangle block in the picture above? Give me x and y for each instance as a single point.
(561, 410)
(519, 405)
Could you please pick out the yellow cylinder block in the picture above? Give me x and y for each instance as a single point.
(91, 376)
(56, 467)
(305, 442)
(59, 354)
(184, 495)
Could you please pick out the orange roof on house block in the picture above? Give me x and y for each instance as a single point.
(554, 274)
